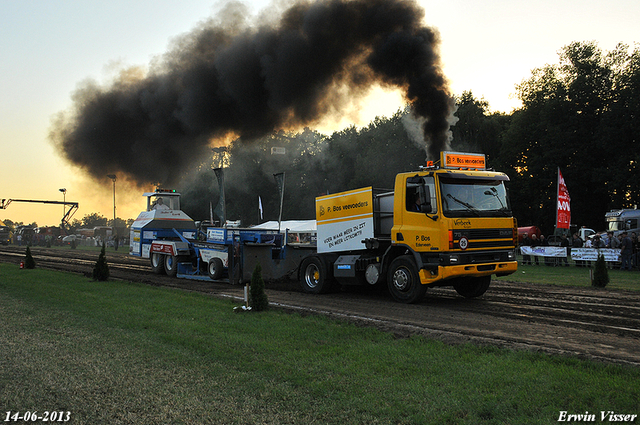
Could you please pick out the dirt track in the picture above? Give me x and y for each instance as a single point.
(589, 323)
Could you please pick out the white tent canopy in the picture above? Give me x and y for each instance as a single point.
(295, 226)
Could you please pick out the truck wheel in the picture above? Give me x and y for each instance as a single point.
(404, 281)
(215, 268)
(171, 265)
(314, 275)
(473, 287)
(157, 263)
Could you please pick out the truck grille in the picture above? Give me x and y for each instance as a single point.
(487, 244)
(473, 234)
(484, 238)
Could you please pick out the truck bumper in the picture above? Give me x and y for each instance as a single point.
(443, 273)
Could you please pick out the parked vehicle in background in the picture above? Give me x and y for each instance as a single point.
(585, 233)
(5, 234)
(530, 231)
(24, 235)
(71, 239)
(619, 221)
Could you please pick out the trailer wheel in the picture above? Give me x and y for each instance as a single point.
(215, 268)
(404, 281)
(157, 263)
(171, 265)
(314, 275)
(473, 287)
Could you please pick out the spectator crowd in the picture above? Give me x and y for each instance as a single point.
(627, 243)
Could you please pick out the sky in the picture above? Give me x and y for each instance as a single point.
(49, 47)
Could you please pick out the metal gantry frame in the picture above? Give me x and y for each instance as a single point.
(64, 223)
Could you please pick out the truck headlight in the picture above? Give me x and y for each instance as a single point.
(511, 255)
(454, 259)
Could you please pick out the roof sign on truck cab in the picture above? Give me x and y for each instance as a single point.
(344, 220)
(472, 161)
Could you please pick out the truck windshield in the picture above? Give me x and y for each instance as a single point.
(164, 202)
(474, 198)
(615, 225)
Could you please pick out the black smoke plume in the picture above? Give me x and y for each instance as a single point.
(230, 79)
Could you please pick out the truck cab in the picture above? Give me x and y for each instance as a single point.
(460, 228)
(447, 225)
(619, 221)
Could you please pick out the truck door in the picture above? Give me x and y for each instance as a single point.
(419, 218)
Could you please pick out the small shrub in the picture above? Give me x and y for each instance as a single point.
(257, 297)
(29, 262)
(101, 269)
(600, 274)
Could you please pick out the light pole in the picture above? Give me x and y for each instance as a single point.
(113, 177)
(64, 209)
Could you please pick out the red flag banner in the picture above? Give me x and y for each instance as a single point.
(563, 215)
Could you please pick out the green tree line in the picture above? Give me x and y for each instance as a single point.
(89, 221)
(581, 115)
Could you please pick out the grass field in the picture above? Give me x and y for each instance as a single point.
(124, 353)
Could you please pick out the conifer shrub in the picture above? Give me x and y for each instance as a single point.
(600, 274)
(101, 269)
(257, 297)
(29, 262)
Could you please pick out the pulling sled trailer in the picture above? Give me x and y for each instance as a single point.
(230, 253)
(178, 246)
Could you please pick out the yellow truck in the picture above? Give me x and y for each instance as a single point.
(444, 225)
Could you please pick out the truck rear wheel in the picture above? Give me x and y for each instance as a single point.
(314, 275)
(171, 265)
(157, 263)
(215, 268)
(473, 287)
(404, 281)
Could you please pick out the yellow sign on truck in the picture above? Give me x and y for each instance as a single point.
(344, 219)
(447, 225)
(463, 160)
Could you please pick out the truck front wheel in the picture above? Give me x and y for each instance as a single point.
(404, 281)
(473, 287)
(314, 275)
(157, 263)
